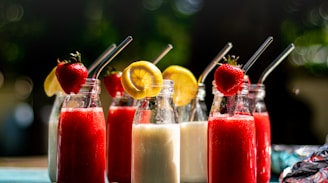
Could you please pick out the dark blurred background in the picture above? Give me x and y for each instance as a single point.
(34, 33)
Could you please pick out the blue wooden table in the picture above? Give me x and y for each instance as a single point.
(23, 175)
(30, 170)
(31, 175)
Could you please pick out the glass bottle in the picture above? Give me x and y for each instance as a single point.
(52, 135)
(193, 141)
(119, 136)
(198, 111)
(156, 139)
(263, 131)
(231, 139)
(81, 137)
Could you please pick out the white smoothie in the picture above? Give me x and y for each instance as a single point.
(52, 136)
(193, 151)
(155, 153)
(52, 150)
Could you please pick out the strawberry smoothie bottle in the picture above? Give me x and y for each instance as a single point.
(231, 139)
(263, 131)
(52, 135)
(81, 137)
(119, 132)
(156, 139)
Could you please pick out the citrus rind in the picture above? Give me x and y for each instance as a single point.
(142, 79)
(185, 84)
(51, 85)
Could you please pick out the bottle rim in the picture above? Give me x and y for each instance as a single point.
(91, 85)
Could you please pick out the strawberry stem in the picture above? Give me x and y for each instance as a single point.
(110, 69)
(231, 59)
(75, 57)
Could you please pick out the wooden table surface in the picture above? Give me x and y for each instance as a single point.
(27, 170)
(33, 162)
(24, 169)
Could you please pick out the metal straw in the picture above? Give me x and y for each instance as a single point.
(101, 58)
(276, 62)
(162, 54)
(111, 56)
(257, 54)
(214, 62)
(207, 70)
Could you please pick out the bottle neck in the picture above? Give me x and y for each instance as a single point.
(91, 86)
(201, 91)
(123, 100)
(236, 104)
(198, 108)
(159, 109)
(167, 88)
(256, 97)
(88, 95)
(242, 103)
(256, 91)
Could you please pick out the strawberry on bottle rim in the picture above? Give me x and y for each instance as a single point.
(112, 82)
(229, 76)
(71, 74)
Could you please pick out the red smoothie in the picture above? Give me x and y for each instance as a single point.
(81, 145)
(263, 138)
(231, 149)
(119, 132)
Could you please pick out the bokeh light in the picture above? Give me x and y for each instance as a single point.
(23, 115)
(189, 7)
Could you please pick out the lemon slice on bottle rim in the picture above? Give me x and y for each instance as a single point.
(185, 84)
(142, 79)
(51, 85)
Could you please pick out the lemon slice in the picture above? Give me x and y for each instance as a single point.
(51, 85)
(185, 84)
(142, 79)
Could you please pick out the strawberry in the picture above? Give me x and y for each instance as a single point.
(112, 82)
(71, 74)
(229, 76)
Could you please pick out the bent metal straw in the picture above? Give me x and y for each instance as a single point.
(111, 56)
(101, 58)
(276, 62)
(257, 54)
(207, 70)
